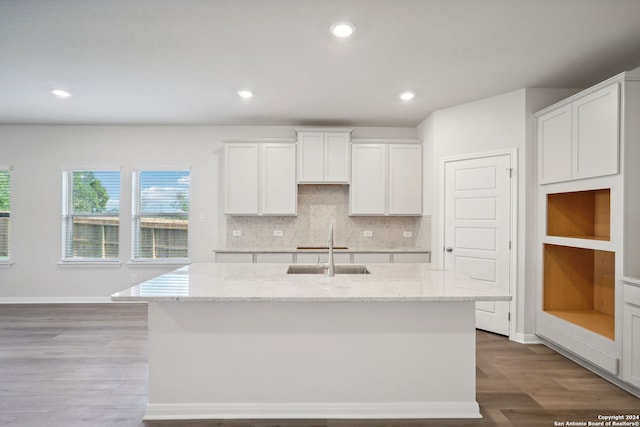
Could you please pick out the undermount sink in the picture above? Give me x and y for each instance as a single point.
(318, 269)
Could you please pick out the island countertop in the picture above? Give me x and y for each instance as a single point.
(270, 283)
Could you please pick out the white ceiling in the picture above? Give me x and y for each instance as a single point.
(182, 61)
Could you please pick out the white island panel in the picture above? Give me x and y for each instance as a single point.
(314, 360)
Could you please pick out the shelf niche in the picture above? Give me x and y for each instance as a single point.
(579, 287)
(580, 214)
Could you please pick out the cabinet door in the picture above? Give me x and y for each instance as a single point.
(631, 345)
(310, 157)
(368, 179)
(405, 179)
(337, 162)
(241, 179)
(554, 145)
(274, 258)
(278, 184)
(595, 133)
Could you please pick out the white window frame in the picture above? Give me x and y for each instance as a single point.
(136, 216)
(68, 215)
(6, 262)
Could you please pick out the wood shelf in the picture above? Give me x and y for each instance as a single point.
(581, 282)
(580, 214)
(595, 321)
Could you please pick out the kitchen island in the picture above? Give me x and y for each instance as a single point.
(251, 341)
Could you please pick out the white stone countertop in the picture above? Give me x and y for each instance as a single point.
(409, 249)
(271, 283)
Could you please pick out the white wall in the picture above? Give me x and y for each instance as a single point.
(37, 155)
(501, 122)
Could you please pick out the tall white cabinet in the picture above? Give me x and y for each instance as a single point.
(386, 178)
(589, 228)
(260, 178)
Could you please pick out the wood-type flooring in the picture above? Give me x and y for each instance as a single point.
(72, 365)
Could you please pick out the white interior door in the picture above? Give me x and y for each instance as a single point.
(477, 224)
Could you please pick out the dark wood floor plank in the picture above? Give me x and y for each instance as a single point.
(68, 365)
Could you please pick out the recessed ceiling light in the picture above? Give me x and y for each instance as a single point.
(60, 93)
(407, 96)
(246, 94)
(342, 29)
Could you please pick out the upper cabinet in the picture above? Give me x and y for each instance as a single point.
(595, 133)
(386, 179)
(260, 178)
(323, 156)
(580, 139)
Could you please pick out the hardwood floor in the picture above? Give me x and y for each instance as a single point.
(68, 365)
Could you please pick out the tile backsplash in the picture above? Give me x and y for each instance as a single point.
(319, 206)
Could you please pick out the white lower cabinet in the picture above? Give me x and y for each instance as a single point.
(363, 258)
(274, 258)
(418, 257)
(233, 257)
(631, 339)
(315, 257)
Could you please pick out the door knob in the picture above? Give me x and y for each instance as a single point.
(448, 249)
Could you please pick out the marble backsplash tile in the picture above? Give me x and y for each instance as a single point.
(319, 206)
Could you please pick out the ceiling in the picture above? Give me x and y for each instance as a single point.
(183, 61)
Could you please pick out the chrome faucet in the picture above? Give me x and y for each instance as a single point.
(331, 268)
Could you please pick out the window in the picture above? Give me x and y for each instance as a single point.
(5, 214)
(90, 215)
(160, 215)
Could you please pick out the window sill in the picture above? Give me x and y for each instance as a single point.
(5, 264)
(169, 262)
(90, 264)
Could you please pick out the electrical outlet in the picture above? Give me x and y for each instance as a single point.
(236, 233)
(368, 233)
(277, 233)
(407, 234)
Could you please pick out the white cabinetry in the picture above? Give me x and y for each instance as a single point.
(368, 193)
(386, 179)
(631, 339)
(260, 179)
(323, 156)
(554, 145)
(589, 227)
(579, 138)
(405, 179)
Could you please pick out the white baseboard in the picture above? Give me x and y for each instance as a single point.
(527, 339)
(192, 411)
(55, 300)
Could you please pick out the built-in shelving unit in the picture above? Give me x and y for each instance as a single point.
(579, 287)
(589, 228)
(580, 214)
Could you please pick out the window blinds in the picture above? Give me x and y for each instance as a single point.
(91, 214)
(160, 214)
(5, 213)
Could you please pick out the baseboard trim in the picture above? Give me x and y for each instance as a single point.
(57, 300)
(193, 411)
(591, 367)
(527, 339)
